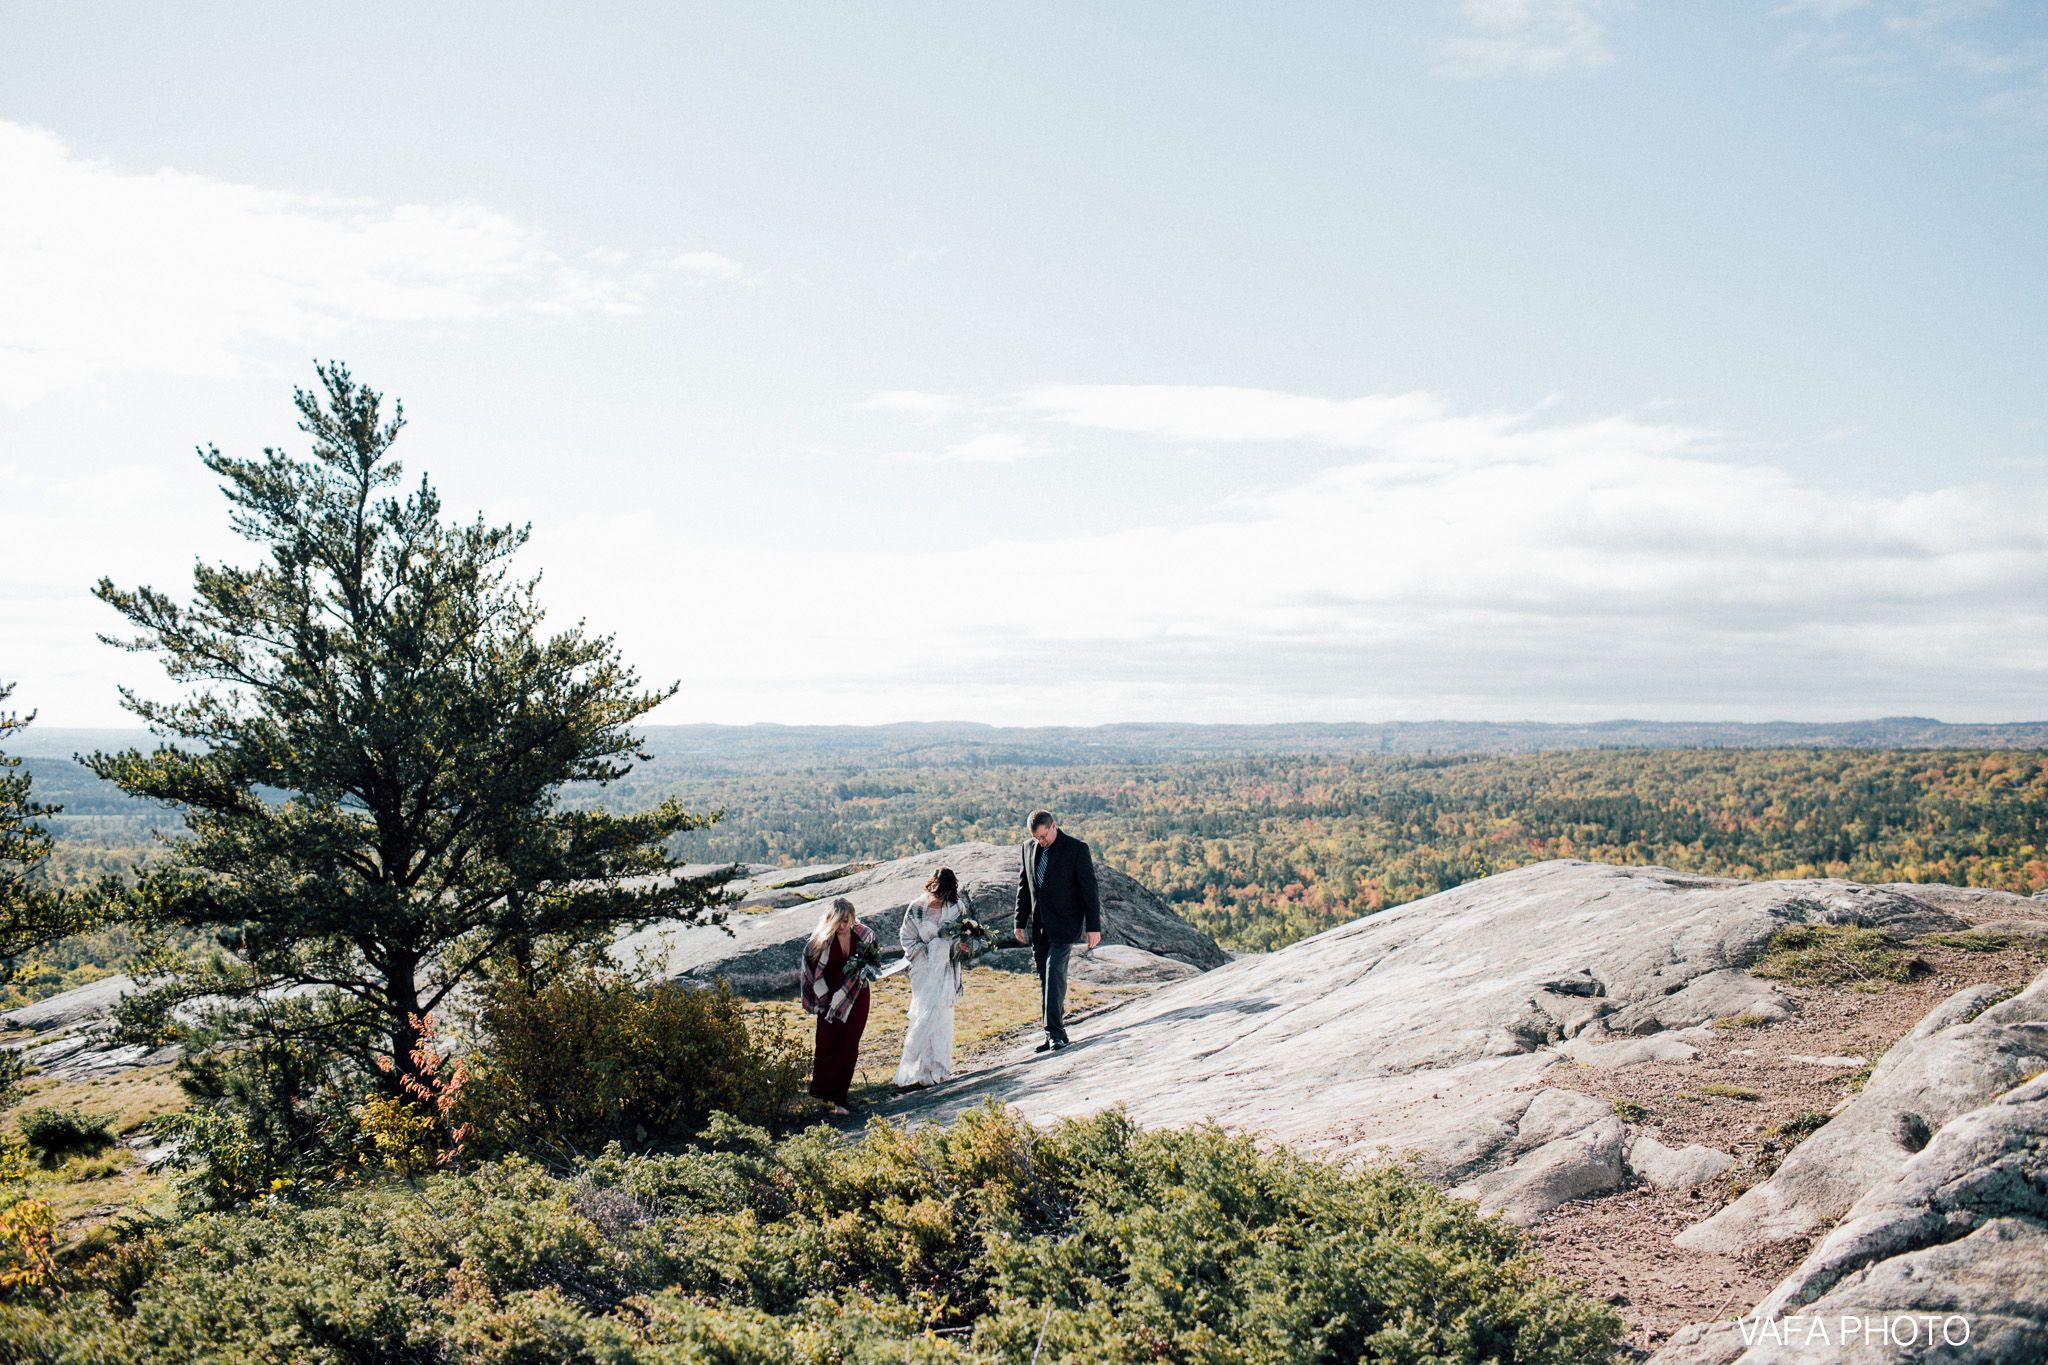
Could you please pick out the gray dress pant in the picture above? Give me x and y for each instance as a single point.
(1052, 983)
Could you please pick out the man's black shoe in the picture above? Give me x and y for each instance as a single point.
(1059, 1044)
(1046, 1046)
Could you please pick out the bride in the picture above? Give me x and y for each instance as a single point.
(934, 981)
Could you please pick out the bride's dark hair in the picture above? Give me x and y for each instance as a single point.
(944, 885)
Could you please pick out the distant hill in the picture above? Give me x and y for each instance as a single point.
(769, 748)
(766, 746)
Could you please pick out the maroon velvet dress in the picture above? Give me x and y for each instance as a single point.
(838, 1050)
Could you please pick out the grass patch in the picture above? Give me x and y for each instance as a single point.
(1971, 942)
(80, 1169)
(1727, 1092)
(1628, 1111)
(1799, 1127)
(1860, 1078)
(1834, 955)
(130, 1100)
(1742, 1021)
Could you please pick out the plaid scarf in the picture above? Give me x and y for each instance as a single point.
(819, 998)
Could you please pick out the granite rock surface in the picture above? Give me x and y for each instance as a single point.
(1434, 1031)
(1963, 1054)
(760, 955)
(1955, 1242)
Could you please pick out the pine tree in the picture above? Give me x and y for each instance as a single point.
(33, 914)
(380, 738)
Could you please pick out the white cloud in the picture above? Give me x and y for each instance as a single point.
(1529, 37)
(1825, 10)
(1904, 42)
(927, 405)
(990, 447)
(107, 272)
(708, 265)
(1502, 565)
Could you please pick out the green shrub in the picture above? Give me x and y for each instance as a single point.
(274, 1114)
(1728, 1092)
(595, 1057)
(54, 1134)
(14, 1069)
(935, 1244)
(1628, 1111)
(1834, 954)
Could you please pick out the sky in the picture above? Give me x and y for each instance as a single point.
(1062, 363)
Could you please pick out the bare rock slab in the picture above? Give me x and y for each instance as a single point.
(1431, 1032)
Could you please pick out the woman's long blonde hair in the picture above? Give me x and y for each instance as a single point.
(836, 914)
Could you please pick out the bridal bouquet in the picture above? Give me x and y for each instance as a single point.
(864, 967)
(971, 938)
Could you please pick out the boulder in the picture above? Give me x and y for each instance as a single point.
(1960, 1056)
(2015, 928)
(1571, 1167)
(759, 956)
(1650, 1160)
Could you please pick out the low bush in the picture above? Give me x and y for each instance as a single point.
(968, 1242)
(54, 1134)
(594, 1057)
(1628, 1111)
(1833, 955)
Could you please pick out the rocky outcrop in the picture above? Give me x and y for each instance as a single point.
(1436, 1031)
(1956, 1240)
(1961, 1056)
(1144, 943)
(760, 954)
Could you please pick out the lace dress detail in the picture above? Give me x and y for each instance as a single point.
(934, 986)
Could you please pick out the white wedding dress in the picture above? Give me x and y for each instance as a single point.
(934, 986)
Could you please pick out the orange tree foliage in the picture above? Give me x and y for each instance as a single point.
(1263, 851)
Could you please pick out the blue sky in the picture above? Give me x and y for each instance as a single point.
(1543, 359)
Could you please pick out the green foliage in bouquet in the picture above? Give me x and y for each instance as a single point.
(970, 937)
(936, 1244)
(864, 965)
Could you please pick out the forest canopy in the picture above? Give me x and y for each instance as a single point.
(1261, 851)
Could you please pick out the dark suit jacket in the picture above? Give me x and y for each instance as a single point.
(1068, 905)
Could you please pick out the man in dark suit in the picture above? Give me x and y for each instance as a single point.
(1057, 907)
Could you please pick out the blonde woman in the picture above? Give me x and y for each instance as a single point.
(834, 991)
(934, 981)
